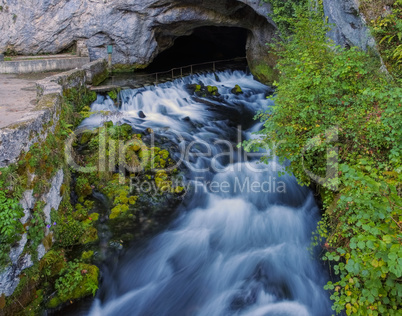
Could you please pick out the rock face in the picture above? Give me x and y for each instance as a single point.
(350, 28)
(138, 29)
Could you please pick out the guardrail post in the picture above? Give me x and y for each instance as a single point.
(181, 71)
(172, 74)
(213, 66)
(156, 78)
(191, 70)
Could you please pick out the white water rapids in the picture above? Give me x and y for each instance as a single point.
(235, 249)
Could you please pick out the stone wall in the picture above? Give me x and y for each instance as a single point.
(21, 135)
(42, 65)
(16, 142)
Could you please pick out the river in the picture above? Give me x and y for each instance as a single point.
(240, 243)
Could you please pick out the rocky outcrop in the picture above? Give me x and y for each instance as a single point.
(9, 279)
(138, 29)
(349, 25)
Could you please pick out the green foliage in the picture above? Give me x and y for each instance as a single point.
(387, 29)
(212, 90)
(83, 187)
(87, 255)
(77, 280)
(237, 90)
(10, 226)
(325, 91)
(113, 94)
(10, 212)
(68, 231)
(283, 13)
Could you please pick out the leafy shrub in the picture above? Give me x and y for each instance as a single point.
(325, 90)
(10, 226)
(10, 213)
(387, 29)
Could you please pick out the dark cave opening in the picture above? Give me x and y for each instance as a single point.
(207, 43)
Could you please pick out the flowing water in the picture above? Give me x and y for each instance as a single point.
(240, 243)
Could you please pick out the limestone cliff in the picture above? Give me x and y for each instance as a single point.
(138, 29)
(141, 29)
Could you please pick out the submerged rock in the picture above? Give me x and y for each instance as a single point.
(237, 90)
(141, 114)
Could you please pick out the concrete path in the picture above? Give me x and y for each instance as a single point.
(17, 96)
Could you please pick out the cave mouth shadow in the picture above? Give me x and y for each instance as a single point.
(206, 43)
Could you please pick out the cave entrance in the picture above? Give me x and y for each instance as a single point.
(207, 43)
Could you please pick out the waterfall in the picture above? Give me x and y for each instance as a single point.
(240, 244)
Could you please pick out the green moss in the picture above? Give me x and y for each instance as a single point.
(77, 281)
(118, 210)
(100, 77)
(212, 89)
(113, 94)
(54, 302)
(20, 125)
(82, 187)
(86, 255)
(264, 73)
(35, 308)
(237, 90)
(94, 217)
(121, 68)
(90, 235)
(87, 136)
(52, 262)
(47, 102)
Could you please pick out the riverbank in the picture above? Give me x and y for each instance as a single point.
(34, 182)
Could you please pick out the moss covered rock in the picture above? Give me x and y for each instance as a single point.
(264, 73)
(237, 90)
(77, 281)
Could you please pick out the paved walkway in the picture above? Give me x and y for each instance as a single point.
(17, 96)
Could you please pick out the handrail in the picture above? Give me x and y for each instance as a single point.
(188, 66)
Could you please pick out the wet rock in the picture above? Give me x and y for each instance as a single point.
(9, 279)
(350, 28)
(128, 25)
(149, 130)
(27, 202)
(141, 114)
(41, 251)
(237, 90)
(53, 198)
(17, 251)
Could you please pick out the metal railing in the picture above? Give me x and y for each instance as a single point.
(187, 67)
